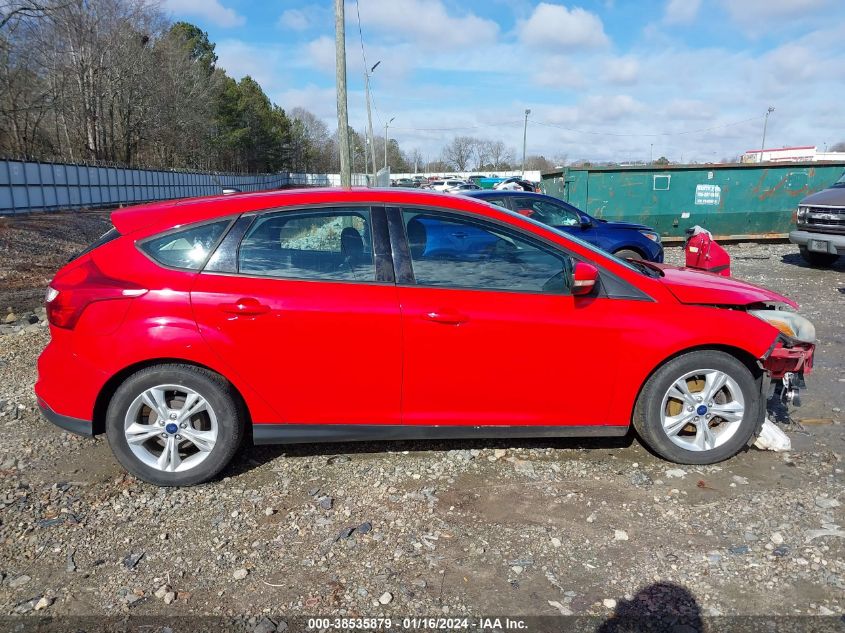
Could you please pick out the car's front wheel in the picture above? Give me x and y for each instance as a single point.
(822, 260)
(627, 253)
(700, 408)
(174, 425)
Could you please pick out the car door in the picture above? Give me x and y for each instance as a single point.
(302, 304)
(493, 336)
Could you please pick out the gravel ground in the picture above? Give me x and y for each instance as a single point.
(421, 528)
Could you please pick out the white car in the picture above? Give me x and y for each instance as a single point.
(444, 185)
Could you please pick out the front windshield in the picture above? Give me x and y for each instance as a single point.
(841, 181)
(569, 236)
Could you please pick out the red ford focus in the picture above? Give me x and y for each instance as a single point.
(339, 315)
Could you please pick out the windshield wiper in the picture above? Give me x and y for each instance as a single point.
(646, 267)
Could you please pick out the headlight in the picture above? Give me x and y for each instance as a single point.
(790, 323)
(802, 211)
(654, 237)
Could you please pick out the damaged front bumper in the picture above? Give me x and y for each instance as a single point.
(788, 356)
(786, 364)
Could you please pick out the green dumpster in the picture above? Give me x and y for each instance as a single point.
(740, 201)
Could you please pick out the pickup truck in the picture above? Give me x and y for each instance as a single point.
(820, 225)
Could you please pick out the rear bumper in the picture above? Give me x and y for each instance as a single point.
(835, 243)
(74, 425)
(797, 359)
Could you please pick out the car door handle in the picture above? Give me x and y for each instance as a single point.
(445, 317)
(246, 306)
(460, 235)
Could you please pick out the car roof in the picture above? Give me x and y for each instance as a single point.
(507, 193)
(172, 213)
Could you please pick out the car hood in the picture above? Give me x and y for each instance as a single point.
(834, 197)
(703, 288)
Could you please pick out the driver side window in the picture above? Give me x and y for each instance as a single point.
(457, 252)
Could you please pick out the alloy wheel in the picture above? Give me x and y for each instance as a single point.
(171, 428)
(702, 410)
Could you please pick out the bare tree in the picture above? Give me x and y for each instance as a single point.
(838, 147)
(481, 151)
(500, 156)
(459, 152)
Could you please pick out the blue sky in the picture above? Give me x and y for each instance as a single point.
(605, 80)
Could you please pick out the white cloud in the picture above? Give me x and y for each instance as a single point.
(210, 10)
(622, 70)
(558, 71)
(321, 101)
(239, 59)
(294, 19)
(756, 16)
(320, 54)
(554, 27)
(681, 11)
(428, 23)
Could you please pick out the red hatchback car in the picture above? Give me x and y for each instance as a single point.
(341, 315)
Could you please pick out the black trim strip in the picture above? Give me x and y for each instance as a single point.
(224, 259)
(399, 247)
(74, 425)
(308, 433)
(381, 246)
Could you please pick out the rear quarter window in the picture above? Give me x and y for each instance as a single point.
(188, 248)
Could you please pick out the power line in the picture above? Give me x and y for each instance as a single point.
(707, 129)
(457, 129)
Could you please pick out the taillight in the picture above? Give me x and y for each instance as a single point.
(70, 293)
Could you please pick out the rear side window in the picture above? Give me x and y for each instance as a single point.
(187, 248)
(321, 244)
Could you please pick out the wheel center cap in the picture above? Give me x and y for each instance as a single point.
(171, 428)
(701, 410)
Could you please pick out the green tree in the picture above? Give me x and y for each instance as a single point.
(195, 41)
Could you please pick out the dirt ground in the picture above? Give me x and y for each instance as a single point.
(422, 528)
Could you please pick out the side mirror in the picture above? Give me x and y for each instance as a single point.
(586, 222)
(584, 278)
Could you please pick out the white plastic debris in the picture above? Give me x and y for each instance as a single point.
(772, 438)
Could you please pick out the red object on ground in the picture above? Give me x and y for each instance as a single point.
(703, 253)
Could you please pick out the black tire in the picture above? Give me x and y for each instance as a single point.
(217, 392)
(648, 416)
(821, 260)
(627, 253)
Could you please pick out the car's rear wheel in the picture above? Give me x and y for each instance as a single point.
(822, 260)
(627, 253)
(174, 425)
(700, 408)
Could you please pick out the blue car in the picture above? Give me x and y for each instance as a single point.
(623, 239)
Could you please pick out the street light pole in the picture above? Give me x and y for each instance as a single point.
(765, 123)
(525, 139)
(371, 140)
(386, 125)
(342, 113)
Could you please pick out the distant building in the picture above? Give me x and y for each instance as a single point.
(805, 153)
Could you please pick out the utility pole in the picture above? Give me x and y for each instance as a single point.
(386, 125)
(651, 154)
(525, 140)
(765, 123)
(342, 113)
(371, 140)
